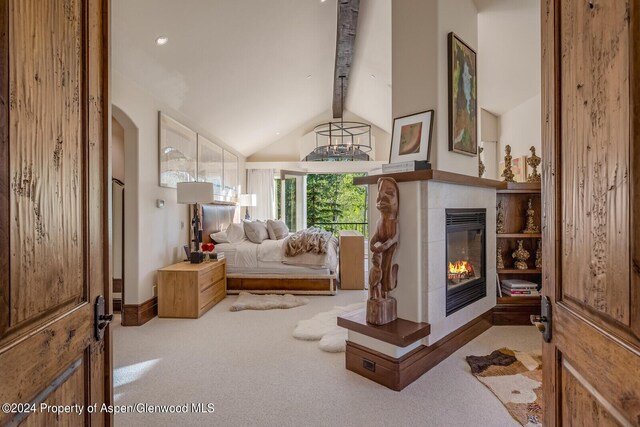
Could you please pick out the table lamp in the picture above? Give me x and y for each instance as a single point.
(194, 193)
(247, 200)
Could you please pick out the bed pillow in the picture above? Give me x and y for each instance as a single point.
(220, 237)
(235, 232)
(277, 229)
(256, 231)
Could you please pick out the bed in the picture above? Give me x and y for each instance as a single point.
(261, 268)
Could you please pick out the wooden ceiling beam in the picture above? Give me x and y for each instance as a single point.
(345, 43)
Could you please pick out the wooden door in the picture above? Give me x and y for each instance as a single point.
(591, 194)
(54, 235)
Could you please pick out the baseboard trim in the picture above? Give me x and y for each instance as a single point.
(139, 314)
(396, 374)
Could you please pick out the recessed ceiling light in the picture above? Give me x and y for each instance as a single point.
(277, 133)
(373, 76)
(162, 40)
(309, 76)
(322, 1)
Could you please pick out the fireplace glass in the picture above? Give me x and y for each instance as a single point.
(465, 259)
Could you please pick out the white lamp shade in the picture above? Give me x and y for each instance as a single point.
(248, 200)
(195, 192)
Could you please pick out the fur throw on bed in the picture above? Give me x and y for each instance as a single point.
(311, 240)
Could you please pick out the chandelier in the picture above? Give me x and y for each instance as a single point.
(341, 141)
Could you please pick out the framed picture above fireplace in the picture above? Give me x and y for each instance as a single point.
(411, 139)
(463, 97)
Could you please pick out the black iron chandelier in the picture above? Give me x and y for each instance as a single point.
(341, 141)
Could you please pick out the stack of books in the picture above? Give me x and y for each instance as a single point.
(410, 166)
(519, 288)
(217, 256)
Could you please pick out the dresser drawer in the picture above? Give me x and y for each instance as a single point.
(206, 278)
(212, 294)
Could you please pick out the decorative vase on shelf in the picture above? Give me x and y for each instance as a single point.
(507, 173)
(534, 162)
(500, 218)
(539, 254)
(521, 255)
(481, 167)
(499, 260)
(531, 227)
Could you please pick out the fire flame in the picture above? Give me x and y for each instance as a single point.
(460, 268)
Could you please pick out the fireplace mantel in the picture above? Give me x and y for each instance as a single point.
(434, 175)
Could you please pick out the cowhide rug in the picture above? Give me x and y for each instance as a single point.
(516, 379)
(247, 301)
(323, 327)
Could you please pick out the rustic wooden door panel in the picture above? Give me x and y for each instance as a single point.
(46, 157)
(54, 235)
(582, 405)
(591, 188)
(594, 48)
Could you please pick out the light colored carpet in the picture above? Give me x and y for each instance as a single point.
(253, 370)
(323, 327)
(247, 301)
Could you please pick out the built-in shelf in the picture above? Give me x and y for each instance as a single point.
(529, 300)
(519, 235)
(518, 271)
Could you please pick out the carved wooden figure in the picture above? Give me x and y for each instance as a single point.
(381, 307)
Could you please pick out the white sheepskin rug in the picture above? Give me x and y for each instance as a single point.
(247, 301)
(324, 327)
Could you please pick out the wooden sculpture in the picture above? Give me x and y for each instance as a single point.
(534, 162)
(521, 255)
(383, 274)
(481, 167)
(507, 173)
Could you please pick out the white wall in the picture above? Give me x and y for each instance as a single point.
(521, 127)
(160, 233)
(420, 72)
(461, 17)
(117, 150)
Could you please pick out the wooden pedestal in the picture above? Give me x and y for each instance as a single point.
(397, 373)
(381, 312)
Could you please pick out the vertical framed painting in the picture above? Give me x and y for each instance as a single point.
(210, 164)
(178, 152)
(230, 174)
(411, 139)
(463, 97)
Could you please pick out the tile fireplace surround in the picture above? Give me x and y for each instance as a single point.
(422, 274)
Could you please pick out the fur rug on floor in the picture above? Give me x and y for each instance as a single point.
(247, 301)
(323, 327)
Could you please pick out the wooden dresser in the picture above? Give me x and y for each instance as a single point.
(351, 260)
(189, 290)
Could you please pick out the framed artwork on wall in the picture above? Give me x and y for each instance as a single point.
(463, 97)
(210, 164)
(230, 174)
(411, 138)
(178, 152)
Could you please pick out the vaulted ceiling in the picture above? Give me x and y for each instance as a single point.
(249, 71)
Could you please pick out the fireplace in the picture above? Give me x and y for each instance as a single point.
(465, 257)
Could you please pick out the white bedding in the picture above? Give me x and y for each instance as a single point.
(267, 258)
